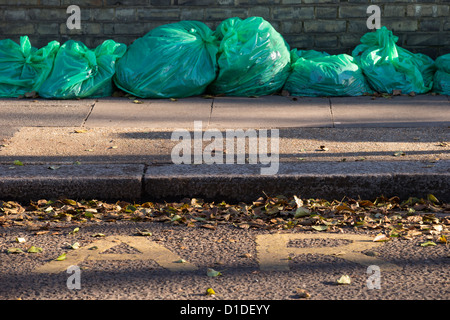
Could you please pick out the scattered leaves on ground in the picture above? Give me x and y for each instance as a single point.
(391, 217)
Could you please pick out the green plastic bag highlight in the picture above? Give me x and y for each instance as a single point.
(80, 72)
(171, 61)
(441, 83)
(320, 74)
(389, 67)
(24, 68)
(254, 59)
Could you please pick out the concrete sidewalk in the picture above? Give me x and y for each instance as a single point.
(120, 148)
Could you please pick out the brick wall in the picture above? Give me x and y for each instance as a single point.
(334, 26)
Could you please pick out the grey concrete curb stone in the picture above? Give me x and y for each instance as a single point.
(328, 180)
(106, 182)
(231, 182)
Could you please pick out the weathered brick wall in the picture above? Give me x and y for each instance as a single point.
(334, 26)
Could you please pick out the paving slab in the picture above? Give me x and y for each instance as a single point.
(270, 112)
(397, 111)
(151, 145)
(41, 112)
(151, 113)
(17, 113)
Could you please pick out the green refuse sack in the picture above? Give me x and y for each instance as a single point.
(389, 67)
(175, 60)
(441, 82)
(80, 72)
(24, 68)
(317, 74)
(253, 58)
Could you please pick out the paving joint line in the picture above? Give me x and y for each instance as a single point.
(331, 113)
(89, 114)
(144, 173)
(210, 113)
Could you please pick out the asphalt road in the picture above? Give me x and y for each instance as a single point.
(172, 264)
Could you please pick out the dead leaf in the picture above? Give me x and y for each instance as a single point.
(98, 235)
(380, 238)
(303, 294)
(427, 244)
(298, 201)
(15, 250)
(212, 273)
(366, 203)
(432, 198)
(320, 228)
(399, 154)
(344, 280)
(210, 292)
(31, 94)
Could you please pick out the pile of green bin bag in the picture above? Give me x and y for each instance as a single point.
(441, 82)
(242, 57)
(389, 67)
(80, 72)
(24, 68)
(171, 61)
(253, 59)
(320, 74)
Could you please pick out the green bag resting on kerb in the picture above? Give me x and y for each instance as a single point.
(24, 68)
(320, 74)
(441, 82)
(175, 60)
(80, 72)
(389, 67)
(253, 59)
